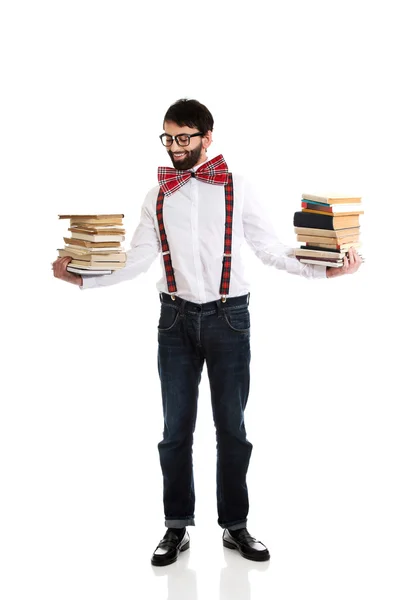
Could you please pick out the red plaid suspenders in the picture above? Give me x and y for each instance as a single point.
(227, 258)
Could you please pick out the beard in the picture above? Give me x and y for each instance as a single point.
(189, 161)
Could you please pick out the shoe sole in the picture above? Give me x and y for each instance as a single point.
(171, 560)
(255, 557)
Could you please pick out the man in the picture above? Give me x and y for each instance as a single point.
(198, 217)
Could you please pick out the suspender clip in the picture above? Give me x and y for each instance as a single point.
(223, 298)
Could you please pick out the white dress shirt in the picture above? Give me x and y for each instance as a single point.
(194, 221)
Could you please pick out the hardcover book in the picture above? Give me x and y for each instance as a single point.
(344, 246)
(86, 244)
(94, 218)
(324, 262)
(94, 258)
(332, 198)
(96, 265)
(313, 253)
(348, 231)
(335, 209)
(320, 221)
(94, 237)
(111, 230)
(312, 208)
(88, 271)
(311, 239)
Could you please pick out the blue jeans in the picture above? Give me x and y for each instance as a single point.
(188, 335)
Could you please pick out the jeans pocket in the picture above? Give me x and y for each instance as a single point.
(238, 319)
(168, 317)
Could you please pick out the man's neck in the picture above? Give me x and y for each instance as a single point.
(200, 162)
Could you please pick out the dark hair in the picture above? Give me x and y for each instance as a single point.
(190, 113)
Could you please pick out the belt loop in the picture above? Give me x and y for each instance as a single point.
(248, 298)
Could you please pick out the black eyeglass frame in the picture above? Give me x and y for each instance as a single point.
(176, 138)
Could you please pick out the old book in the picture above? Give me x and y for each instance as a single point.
(100, 250)
(320, 221)
(94, 237)
(311, 253)
(90, 272)
(93, 257)
(86, 244)
(332, 198)
(98, 230)
(320, 239)
(327, 232)
(104, 265)
(314, 208)
(324, 262)
(95, 218)
(342, 246)
(96, 223)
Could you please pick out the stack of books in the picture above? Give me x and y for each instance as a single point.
(326, 227)
(94, 243)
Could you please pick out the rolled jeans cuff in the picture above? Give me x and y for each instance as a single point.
(179, 523)
(235, 526)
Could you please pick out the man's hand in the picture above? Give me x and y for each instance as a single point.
(350, 265)
(60, 271)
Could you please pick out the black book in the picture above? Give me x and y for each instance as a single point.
(320, 248)
(318, 221)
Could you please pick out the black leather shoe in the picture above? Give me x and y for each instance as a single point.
(168, 549)
(248, 546)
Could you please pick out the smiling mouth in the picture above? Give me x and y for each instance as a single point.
(179, 154)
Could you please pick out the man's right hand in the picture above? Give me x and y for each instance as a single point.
(60, 271)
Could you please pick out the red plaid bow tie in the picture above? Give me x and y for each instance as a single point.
(213, 171)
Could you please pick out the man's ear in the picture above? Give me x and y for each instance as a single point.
(207, 140)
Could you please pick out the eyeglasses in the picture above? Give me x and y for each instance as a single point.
(183, 139)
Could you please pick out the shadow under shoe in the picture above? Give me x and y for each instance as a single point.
(169, 548)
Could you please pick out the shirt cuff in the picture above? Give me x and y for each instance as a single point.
(88, 282)
(319, 271)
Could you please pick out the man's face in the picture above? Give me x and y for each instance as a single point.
(185, 157)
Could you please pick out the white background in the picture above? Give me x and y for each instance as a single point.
(305, 98)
